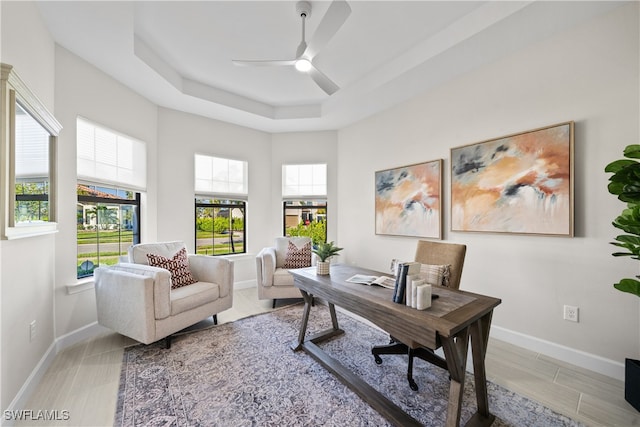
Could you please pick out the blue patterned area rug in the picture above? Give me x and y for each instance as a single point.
(245, 374)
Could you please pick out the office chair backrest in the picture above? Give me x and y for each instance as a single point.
(440, 253)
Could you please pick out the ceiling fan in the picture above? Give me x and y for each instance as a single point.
(336, 15)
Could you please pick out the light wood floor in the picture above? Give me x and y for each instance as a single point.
(84, 379)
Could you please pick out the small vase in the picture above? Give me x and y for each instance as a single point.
(322, 268)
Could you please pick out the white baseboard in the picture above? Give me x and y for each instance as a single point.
(89, 331)
(579, 358)
(30, 385)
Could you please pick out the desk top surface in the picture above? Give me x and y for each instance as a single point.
(451, 312)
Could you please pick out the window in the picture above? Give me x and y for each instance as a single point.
(111, 177)
(221, 191)
(215, 175)
(32, 169)
(108, 223)
(304, 189)
(306, 218)
(304, 180)
(107, 157)
(220, 226)
(28, 173)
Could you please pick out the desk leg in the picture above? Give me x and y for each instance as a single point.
(455, 350)
(334, 319)
(479, 341)
(308, 300)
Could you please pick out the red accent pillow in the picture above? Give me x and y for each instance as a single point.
(298, 257)
(178, 266)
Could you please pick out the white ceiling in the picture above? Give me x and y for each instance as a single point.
(178, 54)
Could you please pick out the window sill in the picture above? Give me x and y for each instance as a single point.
(81, 285)
(31, 230)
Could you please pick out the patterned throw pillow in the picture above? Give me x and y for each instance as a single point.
(436, 274)
(298, 257)
(178, 266)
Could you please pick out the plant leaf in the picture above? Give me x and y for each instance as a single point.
(618, 165)
(632, 151)
(631, 286)
(634, 240)
(615, 188)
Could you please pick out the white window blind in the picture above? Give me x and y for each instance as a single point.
(216, 175)
(304, 180)
(32, 153)
(108, 157)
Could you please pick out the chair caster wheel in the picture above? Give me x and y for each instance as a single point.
(377, 359)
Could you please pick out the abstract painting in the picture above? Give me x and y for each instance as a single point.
(520, 183)
(408, 200)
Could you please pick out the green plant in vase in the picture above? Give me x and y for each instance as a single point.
(625, 183)
(325, 251)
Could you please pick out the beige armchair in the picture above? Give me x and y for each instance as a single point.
(138, 301)
(274, 280)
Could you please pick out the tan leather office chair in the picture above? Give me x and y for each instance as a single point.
(432, 253)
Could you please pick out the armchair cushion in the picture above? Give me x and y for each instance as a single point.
(298, 257)
(281, 277)
(282, 245)
(138, 253)
(178, 266)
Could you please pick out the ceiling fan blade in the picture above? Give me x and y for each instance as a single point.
(336, 15)
(323, 81)
(265, 63)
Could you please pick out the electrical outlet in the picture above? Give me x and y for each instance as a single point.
(32, 330)
(571, 313)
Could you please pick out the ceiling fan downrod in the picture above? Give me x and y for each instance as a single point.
(302, 64)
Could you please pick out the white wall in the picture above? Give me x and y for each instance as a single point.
(83, 90)
(27, 265)
(588, 74)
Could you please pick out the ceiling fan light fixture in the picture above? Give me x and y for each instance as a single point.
(333, 19)
(303, 65)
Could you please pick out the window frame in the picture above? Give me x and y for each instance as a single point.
(301, 207)
(136, 202)
(13, 91)
(220, 204)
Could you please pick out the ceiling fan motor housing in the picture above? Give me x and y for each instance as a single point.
(303, 8)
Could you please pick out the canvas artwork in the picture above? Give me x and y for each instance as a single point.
(520, 183)
(408, 200)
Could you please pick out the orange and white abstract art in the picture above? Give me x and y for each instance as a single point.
(408, 200)
(521, 183)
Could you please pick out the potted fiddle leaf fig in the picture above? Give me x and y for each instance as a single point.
(325, 251)
(625, 183)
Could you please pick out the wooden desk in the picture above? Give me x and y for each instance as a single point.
(453, 319)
